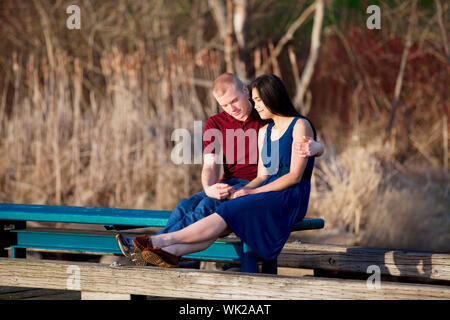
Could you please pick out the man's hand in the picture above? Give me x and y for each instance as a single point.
(308, 147)
(219, 191)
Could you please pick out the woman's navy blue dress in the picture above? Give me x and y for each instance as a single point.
(265, 220)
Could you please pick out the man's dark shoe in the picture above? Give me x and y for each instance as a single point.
(129, 250)
(142, 242)
(160, 258)
(125, 245)
(136, 257)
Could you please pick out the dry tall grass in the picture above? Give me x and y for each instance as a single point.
(345, 185)
(115, 153)
(364, 193)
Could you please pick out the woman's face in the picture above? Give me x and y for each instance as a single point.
(263, 111)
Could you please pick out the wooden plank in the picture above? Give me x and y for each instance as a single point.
(17, 293)
(106, 216)
(335, 258)
(68, 252)
(187, 283)
(424, 265)
(88, 295)
(84, 241)
(91, 215)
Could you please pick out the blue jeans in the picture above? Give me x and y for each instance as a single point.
(196, 207)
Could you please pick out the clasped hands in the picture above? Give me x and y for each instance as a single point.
(222, 191)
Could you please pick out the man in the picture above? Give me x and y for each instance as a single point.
(230, 139)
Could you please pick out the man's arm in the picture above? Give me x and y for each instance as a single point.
(209, 171)
(213, 189)
(308, 147)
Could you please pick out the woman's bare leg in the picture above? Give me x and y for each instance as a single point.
(206, 229)
(181, 249)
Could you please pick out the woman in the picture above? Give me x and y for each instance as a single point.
(263, 212)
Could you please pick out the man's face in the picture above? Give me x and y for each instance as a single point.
(235, 102)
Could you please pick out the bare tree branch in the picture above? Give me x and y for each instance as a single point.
(223, 15)
(399, 81)
(289, 34)
(442, 27)
(313, 55)
(229, 37)
(219, 13)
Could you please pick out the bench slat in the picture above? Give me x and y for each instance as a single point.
(104, 243)
(90, 215)
(106, 216)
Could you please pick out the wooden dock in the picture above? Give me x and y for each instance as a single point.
(106, 282)
(306, 271)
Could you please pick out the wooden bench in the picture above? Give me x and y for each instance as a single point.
(16, 236)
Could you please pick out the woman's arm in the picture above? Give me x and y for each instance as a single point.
(297, 166)
(262, 171)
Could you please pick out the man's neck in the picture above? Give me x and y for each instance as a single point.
(250, 109)
(244, 119)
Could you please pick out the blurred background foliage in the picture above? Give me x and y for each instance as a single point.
(86, 116)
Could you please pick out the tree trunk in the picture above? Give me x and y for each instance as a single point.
(231, 18)
(240, 21)
(399, 81)
(313, 55)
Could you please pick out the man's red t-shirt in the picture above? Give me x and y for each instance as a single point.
(238, 140)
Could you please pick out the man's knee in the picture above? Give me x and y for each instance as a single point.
(209, 204)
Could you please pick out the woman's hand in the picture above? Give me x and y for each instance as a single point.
(241, 192)
(308, 147)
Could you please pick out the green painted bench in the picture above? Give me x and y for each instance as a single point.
(15, 235)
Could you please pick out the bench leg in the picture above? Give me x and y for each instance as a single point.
(270, 267)
(249, 261)
(9, 239)
(5, 239)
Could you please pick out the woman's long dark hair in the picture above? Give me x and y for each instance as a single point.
(273, 93)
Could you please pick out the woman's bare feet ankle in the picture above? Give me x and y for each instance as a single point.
(161, 240)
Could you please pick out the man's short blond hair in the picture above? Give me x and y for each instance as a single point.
(224, 81)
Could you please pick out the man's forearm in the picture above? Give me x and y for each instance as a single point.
(209, 176)
(321, 149)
